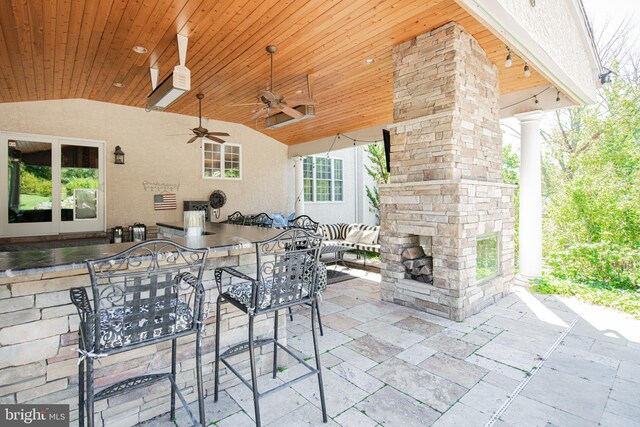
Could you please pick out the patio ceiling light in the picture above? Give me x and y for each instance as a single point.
(527, 70)
(118, 84)
(139, 49)
(369, 61)
(508, 63)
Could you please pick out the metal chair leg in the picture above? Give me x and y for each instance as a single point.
(217, 367)
(199, 376)
(290, 314)
(173, 374)
(90, 399)
(275, 345)
(81, 394)
(317, 354)
(254, 375)
(317, 308)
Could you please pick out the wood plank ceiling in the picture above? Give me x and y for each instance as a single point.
(79, 48)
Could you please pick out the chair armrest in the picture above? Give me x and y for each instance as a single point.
(190, 280)
(80, 299)
(231, 272)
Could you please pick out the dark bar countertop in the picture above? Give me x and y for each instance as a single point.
(218, 237)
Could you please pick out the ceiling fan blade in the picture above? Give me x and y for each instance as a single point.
(301, 101)
(290, 111)
(192, 139)
(259, 113)
(213, 138)
(180, 134)
(243, 105)
(218, 133)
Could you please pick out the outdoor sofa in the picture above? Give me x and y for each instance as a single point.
(360, 237)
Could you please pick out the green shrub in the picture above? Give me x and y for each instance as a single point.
(31, 184)
(598, 263)
(88, 182)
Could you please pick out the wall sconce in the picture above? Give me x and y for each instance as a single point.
(119, 156)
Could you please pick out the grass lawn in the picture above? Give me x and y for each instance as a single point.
(627, 300)
(29, 201)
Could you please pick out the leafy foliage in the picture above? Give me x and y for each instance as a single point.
(377, 171)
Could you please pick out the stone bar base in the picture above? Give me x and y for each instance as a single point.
(453, 214)
(39, 335)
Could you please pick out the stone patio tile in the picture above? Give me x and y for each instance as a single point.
(434, 319)
(527, 412)
(327, 308)
(354, 418)
(629, 371)
(452, 346)
(416, 354)
(589, 355)
(576, 365)
(537, 331)
(462, 415)
(354, 333)
(623, 409)
(502, 381)
(524, 343)
(491, 329)
(485, 397)
(509, 356)
(213, 411)
(391, 334)
(374, 348)
(478, 337)
(273, 406)
(331, 339)
(430, 389)
(339, 393)
(305, 416)
(346, 301)
(613, 420)
(586, 329)
(477, 319)
(453, 333)
(339, 322)
(509, 313)
(419, 326)
(564, 419)
(299, 329)
(354, 358)
(501, 368)
(389, 407)
(572, 394)
(616, 351)
(626, 391)
(508, 301)
(239, 419)
(367, 312)
(327, 360)
(460, 372)
(577, 342)
(358, 377)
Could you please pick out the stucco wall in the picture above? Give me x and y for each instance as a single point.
(153, 155)
(556, 27)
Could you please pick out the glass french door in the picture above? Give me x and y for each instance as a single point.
(50, 185)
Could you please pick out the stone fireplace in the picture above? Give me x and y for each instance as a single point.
(446, 179)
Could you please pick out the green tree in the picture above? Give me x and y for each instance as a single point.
(377, 171)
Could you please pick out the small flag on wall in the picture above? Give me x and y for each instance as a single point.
(164, 202)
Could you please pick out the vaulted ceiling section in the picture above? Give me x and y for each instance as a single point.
(58, 49)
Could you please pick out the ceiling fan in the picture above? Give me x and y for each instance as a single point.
(270, 100)
(201, 132)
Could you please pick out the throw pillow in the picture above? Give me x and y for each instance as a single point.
(369, 237)
(353, 235)
(278, 219)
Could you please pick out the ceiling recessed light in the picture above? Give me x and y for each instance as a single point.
(118, 84)
(139, 49)
(369, 61)
(299, 91)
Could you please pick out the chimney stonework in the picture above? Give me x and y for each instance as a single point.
(446, 174)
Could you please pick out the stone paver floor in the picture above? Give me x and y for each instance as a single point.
(384, 364)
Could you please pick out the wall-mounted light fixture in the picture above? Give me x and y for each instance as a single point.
(118, 156)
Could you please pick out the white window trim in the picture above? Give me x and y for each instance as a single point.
(314, 193)
(56, 226)
(222, 161)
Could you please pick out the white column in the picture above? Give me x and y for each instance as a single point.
(299, 187)
(530, 194)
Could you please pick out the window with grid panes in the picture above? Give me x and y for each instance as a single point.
(323, 179)
(221, 160)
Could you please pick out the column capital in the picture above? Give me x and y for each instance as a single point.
(530, 116)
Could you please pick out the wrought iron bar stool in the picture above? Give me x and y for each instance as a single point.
(306, 223)
(260, 220)
(236, 218)
(147, 294)
(286, 276)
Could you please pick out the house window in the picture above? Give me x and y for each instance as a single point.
(323, 179)
(221, 160)
(53, 185)
(488, 260)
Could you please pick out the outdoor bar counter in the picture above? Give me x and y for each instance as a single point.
(39, 324)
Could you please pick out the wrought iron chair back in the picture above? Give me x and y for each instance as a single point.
(305, 222)
(149, 292)
(260, 220)
(287, 270)
(236, 218)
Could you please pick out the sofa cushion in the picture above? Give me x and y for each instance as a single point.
(369, 237)
(354, 235)
(334, 231)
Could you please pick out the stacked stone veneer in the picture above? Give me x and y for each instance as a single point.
(446, 174)
(38, 335)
